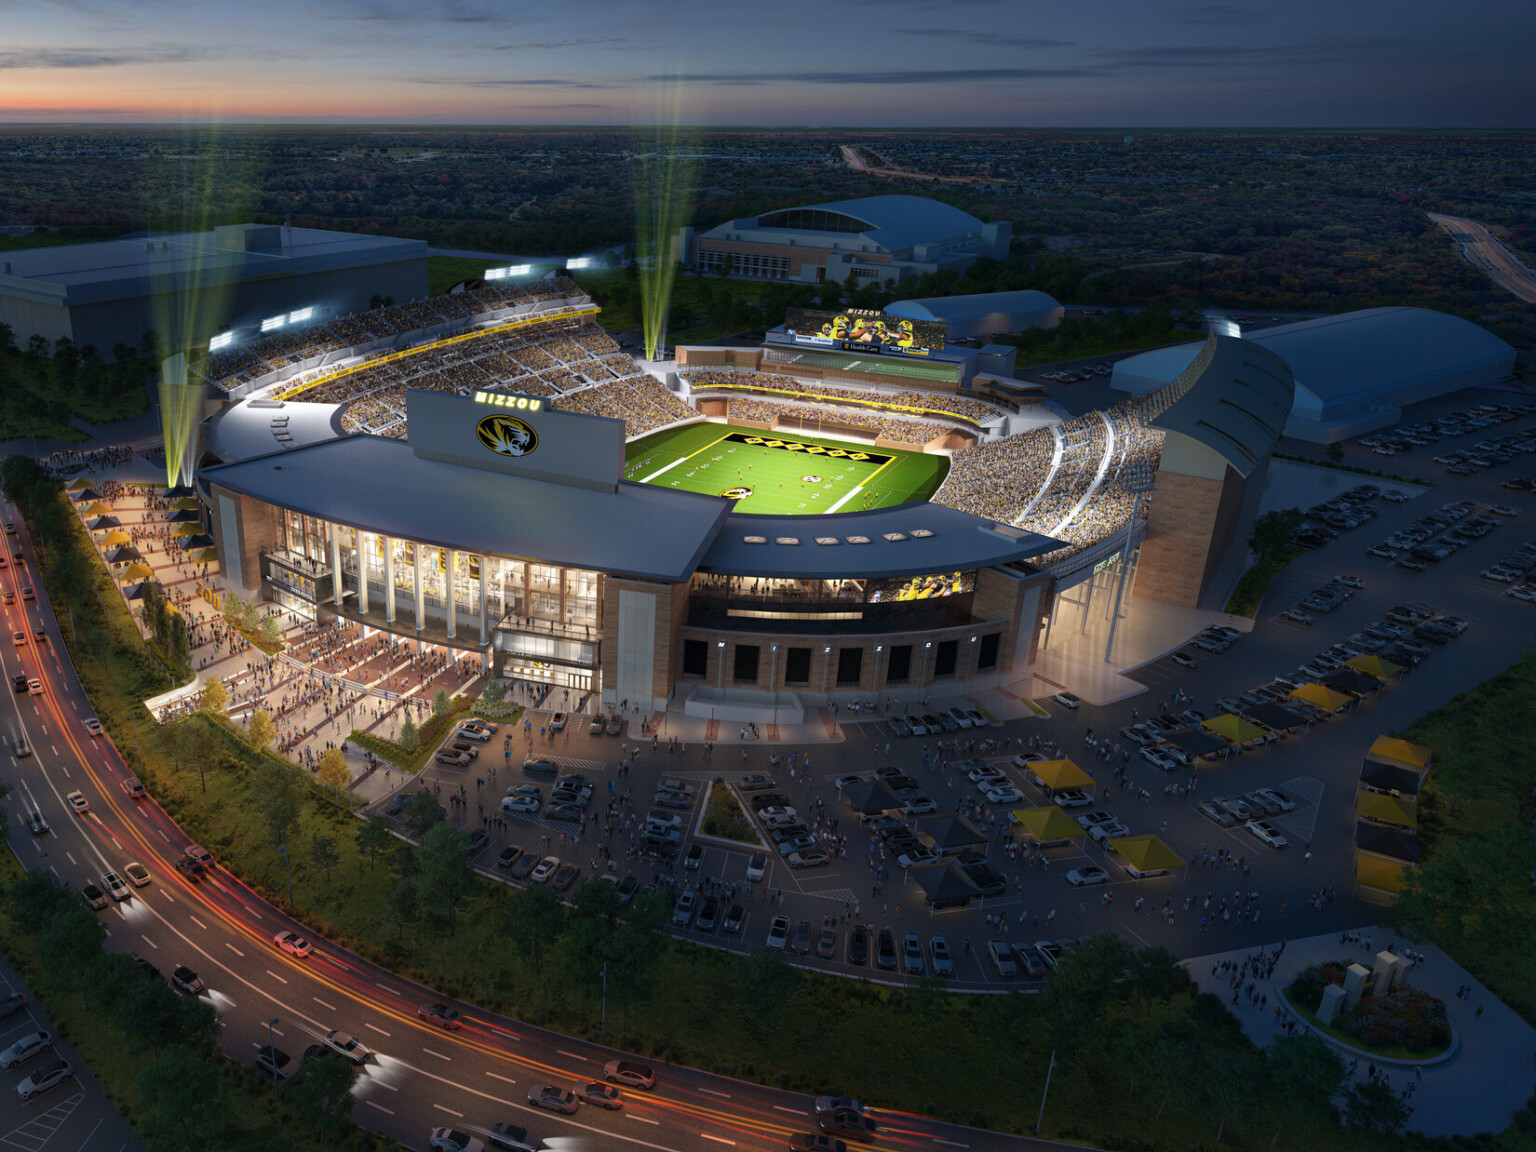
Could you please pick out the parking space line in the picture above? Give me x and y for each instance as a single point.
(450, 1111)
(275, 976)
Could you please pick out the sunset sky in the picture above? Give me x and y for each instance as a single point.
(1325, 63)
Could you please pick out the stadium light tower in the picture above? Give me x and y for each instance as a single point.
(1138, 482)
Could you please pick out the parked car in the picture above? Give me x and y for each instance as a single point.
(24, 1048)
(50, 1075)
(1001, 953)
(630, 1072)
(778, 932)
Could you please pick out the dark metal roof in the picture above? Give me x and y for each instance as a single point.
(380, 485)
(1390, 778)
(904, 540)
(1393, 843)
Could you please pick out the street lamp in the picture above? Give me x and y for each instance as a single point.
(970, 658)
(272, 1051)
(720, 666)
(923, 671)
(826, 666)
(773, 673)
(1139, 482)
(1051, 1067)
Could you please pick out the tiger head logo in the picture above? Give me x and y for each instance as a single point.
(737, 493)
(507, 435)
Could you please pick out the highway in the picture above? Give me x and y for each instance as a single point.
(1487, 253)
(419, 1076)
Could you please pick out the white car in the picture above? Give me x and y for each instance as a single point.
(348, 1047)
(1523, 592)
(1159, 759)
(1003, 794)
(1104, 833)
(1071, 798)
(915, 726)
(961, 717)
(920, 805)
(778, 932)
(293, 944)
(93, 726)
(516, 804)
(1088, 874)
(545, 869)
(1502, 510)
(1266, 833)
(1351, 581)
(1067, 700)
(1025, 759)
(1502, 575)
(1275, 796)
(449, 1140)
(78, 802)
(25, 1048)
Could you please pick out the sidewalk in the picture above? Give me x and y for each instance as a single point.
(1478, 1089)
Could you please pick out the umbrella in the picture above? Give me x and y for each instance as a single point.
(207, 556)
(179, 491)
(1058, 774)
(139, 571)
(201, 540)
(183, 516)
(124, 555)
(1049, 823)
(186, 503)
(101, 522)
(100, 508)
(186, 530)
(1233, 728)
(133, 591)
(86, 494)
(115, 539)
(79, 484)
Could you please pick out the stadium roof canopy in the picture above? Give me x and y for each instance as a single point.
(1027, 302)
(904, 540)
(380, 485)
(893, 222)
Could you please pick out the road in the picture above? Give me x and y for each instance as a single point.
(856, 161)
(1487, 253)
(420, 1076)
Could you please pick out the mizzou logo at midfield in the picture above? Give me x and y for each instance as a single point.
(507, 435)
(737, 493)
(809, 449)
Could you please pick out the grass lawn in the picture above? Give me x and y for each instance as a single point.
(783, 473)
(443, 272)
(1252, 584)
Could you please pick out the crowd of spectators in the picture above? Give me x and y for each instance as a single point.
(888, 428)
(269, 353)
(641, 401)
(973, 412)
(1081, 501)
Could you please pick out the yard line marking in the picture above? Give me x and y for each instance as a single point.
(275, 976)
(380, 1107)
(380, 1031)
(439, 1055)
(572, 1055)
(323, 1004)
(718, 1139)
(716, 1092)
(450, 1111)
(791, 1111)
(235, 950)
(503, 1079)
(852, 492)
(642, 1119)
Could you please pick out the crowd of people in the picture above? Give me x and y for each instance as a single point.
(890, 429)
(274, 351)
(974, 412)
(641, 401)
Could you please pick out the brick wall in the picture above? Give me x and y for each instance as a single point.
(1180, 553)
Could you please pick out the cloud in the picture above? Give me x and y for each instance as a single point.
(549, 106)
(578, 42)
(406, 12)
(937, 76)
(19, 58)
(981, 39)
(1223, 14)
(525, 83)
(1341, 51)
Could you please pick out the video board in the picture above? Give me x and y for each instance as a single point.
(858, 331)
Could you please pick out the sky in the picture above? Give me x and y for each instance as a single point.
(874, 63)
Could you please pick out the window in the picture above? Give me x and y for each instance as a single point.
(986, 655)
(900, 670)
(797, 666)
(944, 658)
(695, 658)
(850, 663)
(746, 664)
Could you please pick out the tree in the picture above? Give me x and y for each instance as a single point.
(446, 879)
(267, 631)
(260, 732)
(1335, 452)
(279, 799)
(1156, 974)
(374, 839)
(150, 1014)
(924, 1000)
(321, 1089)
(403, 903)
(1230, 1088)
(1302, 1070)
(495, 690)
(184, 1101)
(1373, 1107)
(764, 984)
(213, 699)
(1081, 986)
(440, 702)
(638, 946)
(1000, 1021)
(332, 770)
(410, 739)
(323, 855)
(71, 939)
(180, 645)
(534, 919)
(195, 745)
(420, 813)
(1272, 532)
(234, 609)
(35, 898)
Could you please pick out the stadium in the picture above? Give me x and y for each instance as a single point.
(851, 509)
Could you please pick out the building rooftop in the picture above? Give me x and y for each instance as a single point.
(974, 306)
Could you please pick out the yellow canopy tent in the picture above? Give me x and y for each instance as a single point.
(80, 484)
(136, 572)
(1320, 697)
(1390, 748)
(115, 538)
(1399, 810)
(1374, 872)
(188, 529)
(1374, 666)
(185, 504)
(1048, 823)
(1234, 728)
(207, 556)
(100, 508)
(1147, 853)
(1058, 774)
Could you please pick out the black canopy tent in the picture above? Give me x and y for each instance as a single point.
(951, 834)
(870, 798)
(1390, 778)
(1351, 681)
(1393, 843)
(1278, 717)
(945, 885)
(1195, 741)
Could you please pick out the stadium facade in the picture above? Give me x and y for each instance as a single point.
(1354, 372)
(876, 238)
(233, 277)
(453, 470)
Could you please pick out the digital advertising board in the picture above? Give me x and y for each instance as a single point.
(859, 331)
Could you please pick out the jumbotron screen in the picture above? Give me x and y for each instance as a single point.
(856, 331)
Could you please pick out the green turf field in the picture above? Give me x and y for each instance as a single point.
(782, 473)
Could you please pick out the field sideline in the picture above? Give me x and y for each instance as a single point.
(783, 473)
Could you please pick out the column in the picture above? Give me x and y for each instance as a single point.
(362, 572)
(485, 600)
(336, 589)
(451, 589)
(420, 607)
(389, 579)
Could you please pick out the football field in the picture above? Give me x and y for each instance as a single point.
(782, 473)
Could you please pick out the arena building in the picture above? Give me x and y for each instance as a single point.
(1354, 372)
(113, 292)
(490, 472)
(879, 238)
(983, 314)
